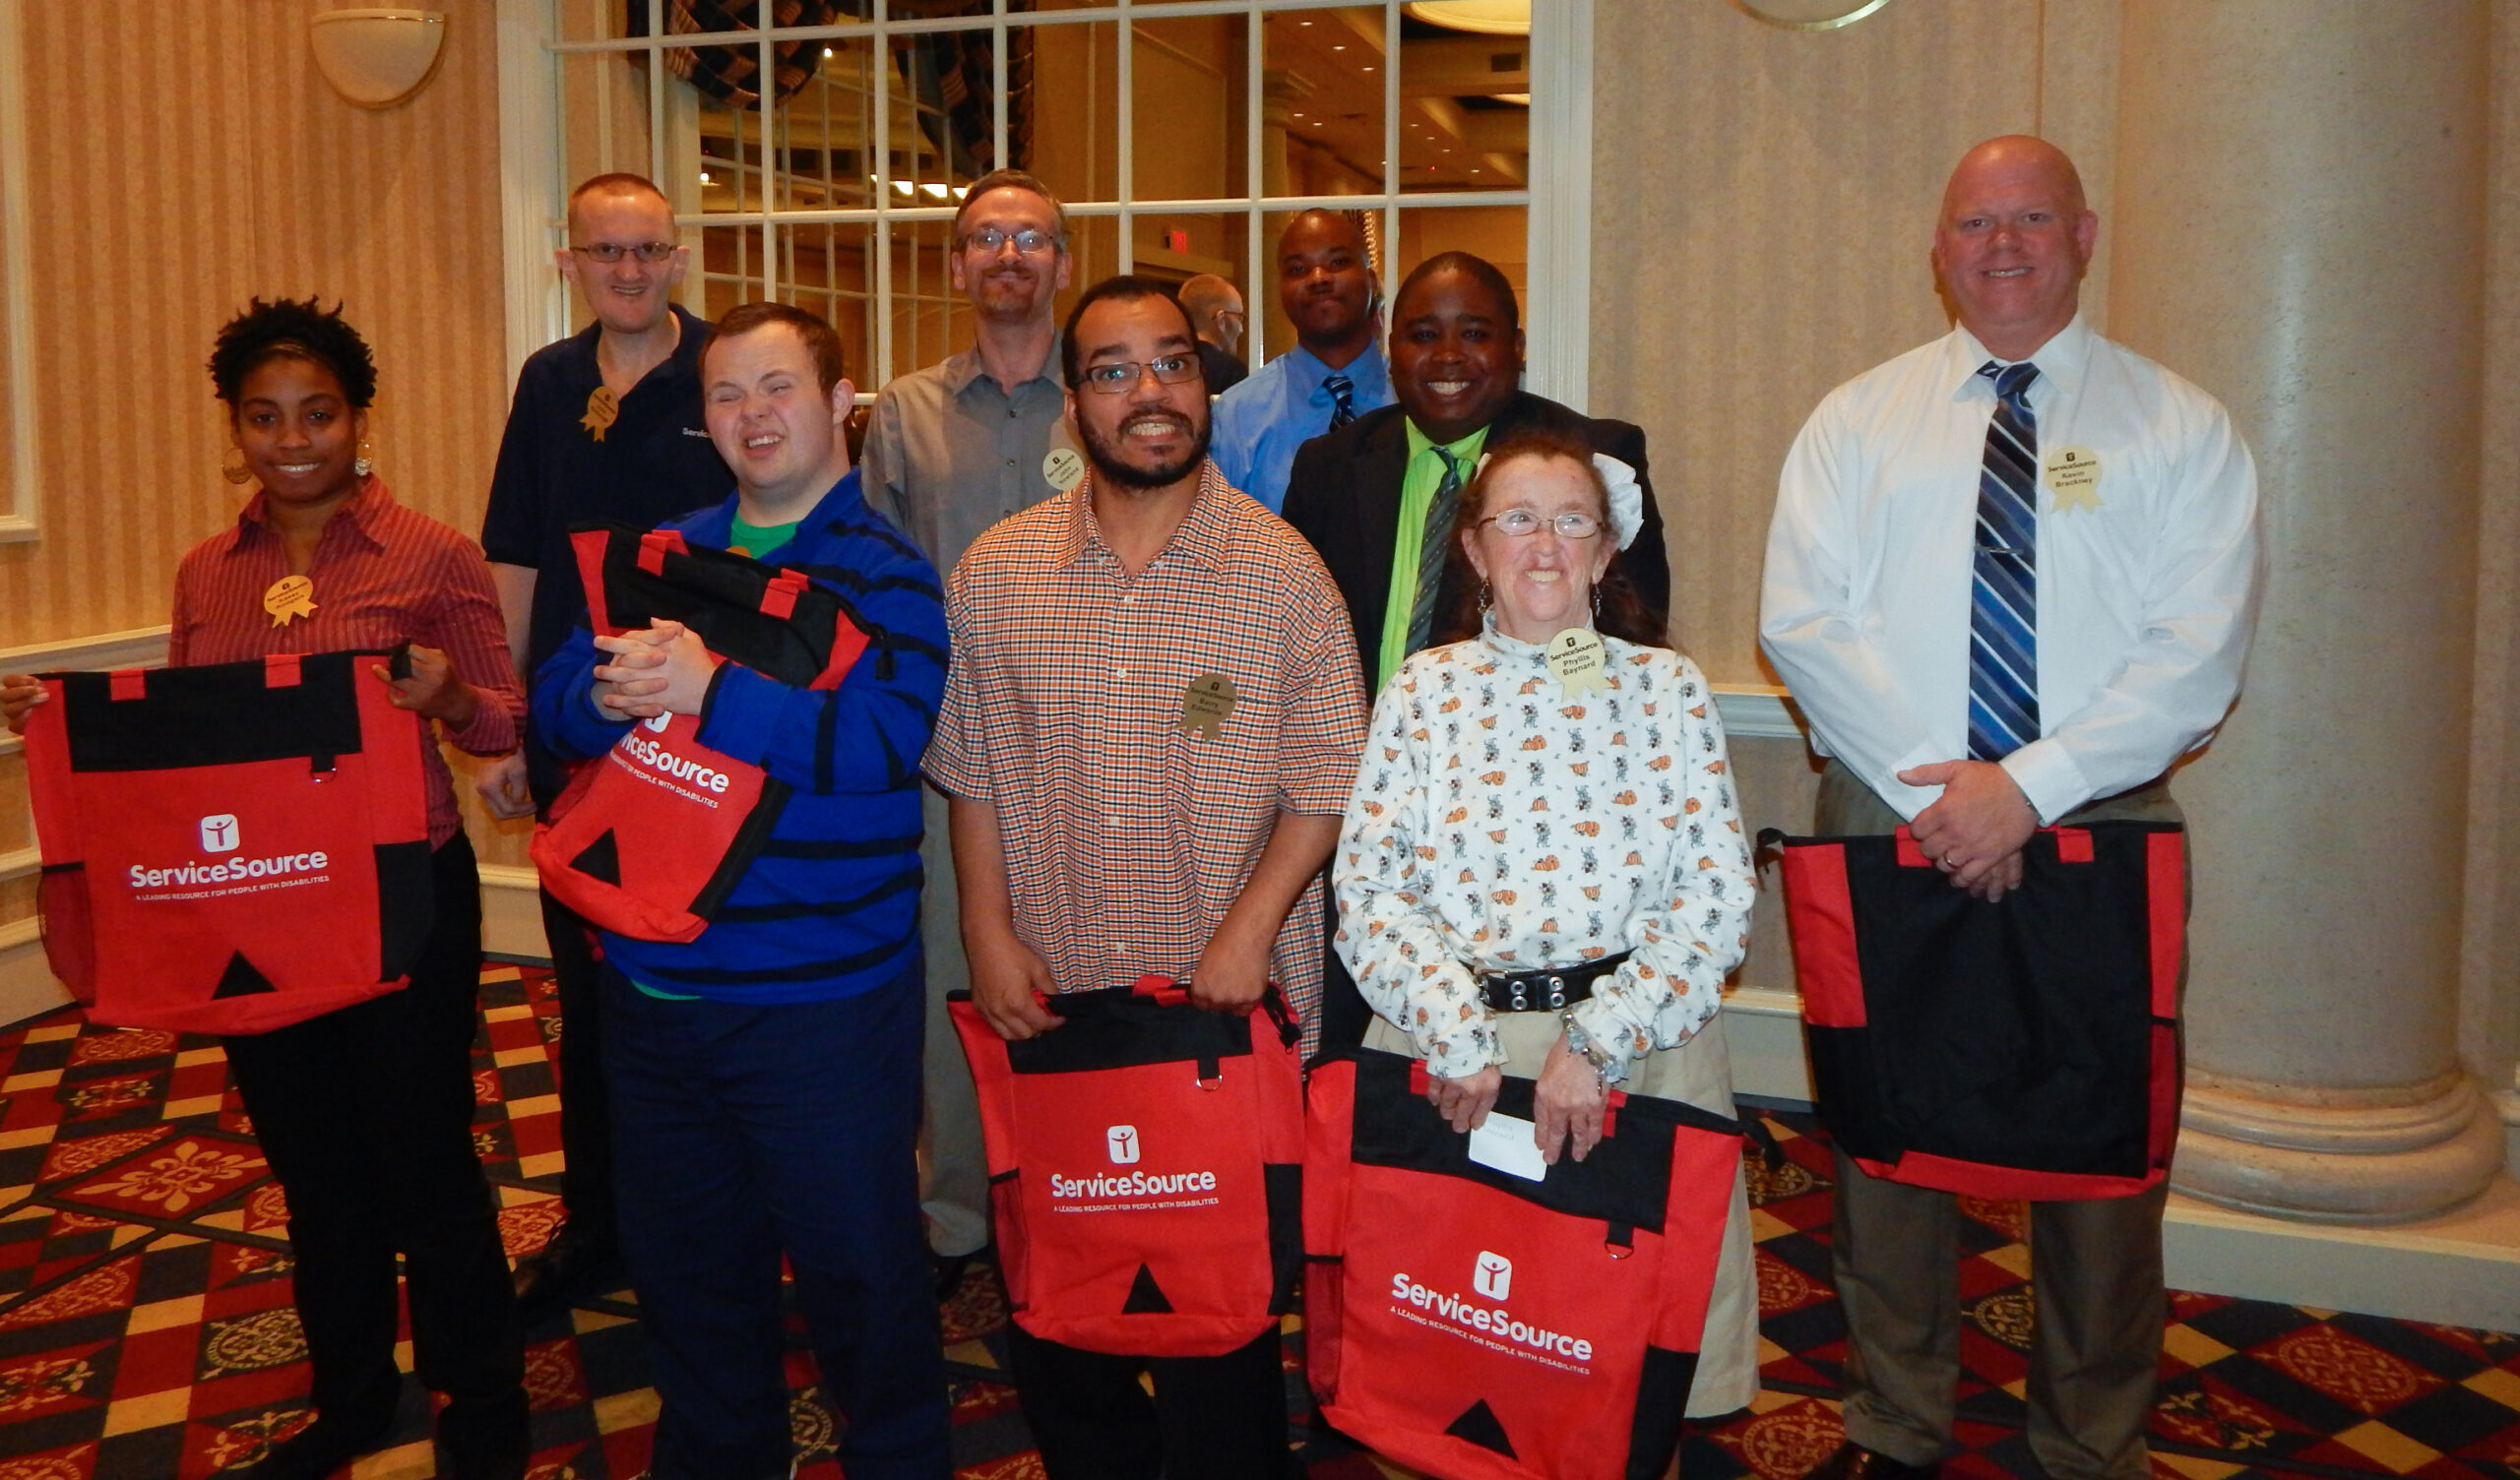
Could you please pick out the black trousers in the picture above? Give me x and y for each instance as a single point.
(366, 1115)
(1216, 1418)
(586, 1105)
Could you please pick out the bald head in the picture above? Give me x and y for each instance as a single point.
(2012, 243)
(1215, 308)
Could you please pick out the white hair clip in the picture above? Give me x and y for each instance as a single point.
(1627, 499)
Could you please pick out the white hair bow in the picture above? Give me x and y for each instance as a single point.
(1627, 499)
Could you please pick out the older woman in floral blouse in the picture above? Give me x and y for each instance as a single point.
(1529, 828)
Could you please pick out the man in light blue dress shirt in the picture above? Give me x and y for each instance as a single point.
(1335, 374)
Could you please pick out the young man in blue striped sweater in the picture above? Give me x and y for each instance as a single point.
(765, 1075)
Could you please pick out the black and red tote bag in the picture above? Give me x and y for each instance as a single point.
(1144, 1167)
(1479, 1325)
(233, 848)
(649, 838)
(2027, 1048)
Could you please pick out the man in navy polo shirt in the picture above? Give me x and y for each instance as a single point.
(606, 425)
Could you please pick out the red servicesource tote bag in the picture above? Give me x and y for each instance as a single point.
(233, 847)
(1480, 1326)
(649, 838)
(1145, 1168)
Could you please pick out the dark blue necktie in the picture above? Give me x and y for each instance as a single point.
(1342, 399)
(2003, 605)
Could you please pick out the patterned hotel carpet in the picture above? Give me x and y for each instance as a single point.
(145, 1329)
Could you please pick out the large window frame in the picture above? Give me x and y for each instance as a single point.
(1556, 200)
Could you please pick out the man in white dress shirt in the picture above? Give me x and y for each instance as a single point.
(2011, 580)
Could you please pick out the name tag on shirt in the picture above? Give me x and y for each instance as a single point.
(1510, 1144)
(2072, 476)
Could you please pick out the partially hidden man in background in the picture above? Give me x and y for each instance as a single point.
(1982, 651)
(1334, 374)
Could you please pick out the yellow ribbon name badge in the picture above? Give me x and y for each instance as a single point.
(1207, 702)
(1576, 655)
(1063, 467)
(288, 598)
(2072, 476)
(603, 409)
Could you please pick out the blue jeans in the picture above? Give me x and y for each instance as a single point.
(743, 1133)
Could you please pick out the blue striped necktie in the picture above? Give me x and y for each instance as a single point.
(2003, 604)
(1342, 399)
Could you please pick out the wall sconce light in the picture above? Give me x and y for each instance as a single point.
(377, 56)
(1809, 15)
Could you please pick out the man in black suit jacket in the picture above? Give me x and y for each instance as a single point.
(1455, 365)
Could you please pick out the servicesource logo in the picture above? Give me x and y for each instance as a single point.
(1492, 1276)
(667, 763)
(1110, 1191)
(221, 832)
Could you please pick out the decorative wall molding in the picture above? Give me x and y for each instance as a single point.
(23, 467)
(537, 303)
(139, 648)
(512, 912)
(1559, 287)
(28, 987)
(1758, 711)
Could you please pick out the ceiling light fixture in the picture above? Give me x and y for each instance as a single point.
(1487, 17)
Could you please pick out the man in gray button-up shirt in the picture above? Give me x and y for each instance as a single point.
(953, 449)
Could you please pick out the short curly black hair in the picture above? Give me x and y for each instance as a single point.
(290, 328)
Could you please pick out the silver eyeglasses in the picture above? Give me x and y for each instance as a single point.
(1029, 242)
(1522, 524)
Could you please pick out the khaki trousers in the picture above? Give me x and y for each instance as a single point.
(2096, 1275)
(953, 1164)
(1697, 1073)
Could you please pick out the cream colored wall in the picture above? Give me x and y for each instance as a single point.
(172, 182)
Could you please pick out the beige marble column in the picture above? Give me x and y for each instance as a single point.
(2299, 208)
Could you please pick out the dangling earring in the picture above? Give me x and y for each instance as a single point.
(234, 468)
(1596, 598)
(1484, 595)
(366, 458)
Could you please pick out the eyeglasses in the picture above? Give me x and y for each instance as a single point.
(1029, 242)
(1170, 369)
(1523, 524)
(614, 251)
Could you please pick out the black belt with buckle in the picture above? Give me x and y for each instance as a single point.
(1546, 991)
